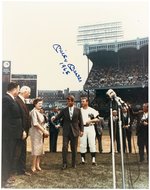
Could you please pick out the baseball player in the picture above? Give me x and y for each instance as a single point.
(89, 118)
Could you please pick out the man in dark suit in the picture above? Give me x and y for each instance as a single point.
(126, 130)
(21, 100)
(72, 125)
(12, 131)
(143, 131)
(99, 126)
(53, 129)
(116, 136)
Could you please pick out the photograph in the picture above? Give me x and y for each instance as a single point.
(75, 94)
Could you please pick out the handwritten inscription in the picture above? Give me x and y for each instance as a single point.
(73, 69)
(59, 49)
(66, 67)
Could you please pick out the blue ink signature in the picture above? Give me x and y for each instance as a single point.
(58, 49)
(66, 67)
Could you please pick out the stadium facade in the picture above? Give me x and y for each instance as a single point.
(122, 66)
(27, 80)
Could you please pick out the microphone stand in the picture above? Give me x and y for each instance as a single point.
(119, 102)
(112, 146)
(121, 145)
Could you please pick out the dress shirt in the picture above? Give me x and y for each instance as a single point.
(71, 109)
(125, 114)
(11, 95)
(22, 98)
(145, 116)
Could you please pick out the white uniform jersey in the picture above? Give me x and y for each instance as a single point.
(86, 114)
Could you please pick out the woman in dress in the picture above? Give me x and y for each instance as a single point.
(37, 131)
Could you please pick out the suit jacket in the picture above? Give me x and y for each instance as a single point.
(115, 126)
(141, 129)
(75, 124)
(26, 120)
(126, 121)
(115, 123)
(11, 119)
(99, 125)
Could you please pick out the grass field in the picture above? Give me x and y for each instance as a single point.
(85, 176)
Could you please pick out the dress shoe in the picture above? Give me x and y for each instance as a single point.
(64, 167)
(27, 173)
(141, 160)
(94, 164)
(9, 186)
(74, 166)
(83, 163)
(23, 173)
(11, 180)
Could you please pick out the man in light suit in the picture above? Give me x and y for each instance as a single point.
(12, 131)
(72, 125)
(20, 99)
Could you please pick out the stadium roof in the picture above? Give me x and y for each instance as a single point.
(116, 46)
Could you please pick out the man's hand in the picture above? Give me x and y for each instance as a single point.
(52, 118)
(57, 126)
(126, 126)
(92, 121)
(88, 122)
(81, 133)
(24, 135)
(145, 123)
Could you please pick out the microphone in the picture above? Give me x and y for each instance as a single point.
(113, 95)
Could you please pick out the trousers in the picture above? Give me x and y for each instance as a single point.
(90, 134)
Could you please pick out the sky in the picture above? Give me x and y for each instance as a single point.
(31, 28)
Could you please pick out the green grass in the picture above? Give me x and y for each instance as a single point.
(85, 176)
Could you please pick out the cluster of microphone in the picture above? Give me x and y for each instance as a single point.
(112, 95)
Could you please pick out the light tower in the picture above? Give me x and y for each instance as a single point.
(99, 33)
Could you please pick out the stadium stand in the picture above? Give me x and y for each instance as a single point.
(124, 69)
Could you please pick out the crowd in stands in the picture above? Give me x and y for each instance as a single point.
(130, 75)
